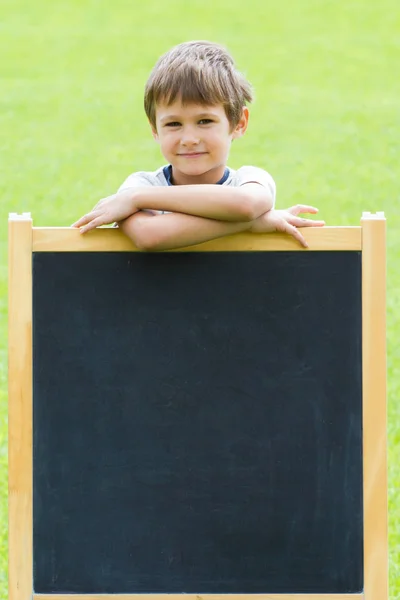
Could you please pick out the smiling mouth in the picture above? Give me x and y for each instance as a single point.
(192, 154)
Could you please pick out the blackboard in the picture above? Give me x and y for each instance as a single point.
(197, 422)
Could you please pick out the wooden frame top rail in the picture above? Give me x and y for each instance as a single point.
(67, 239)
(198, 596)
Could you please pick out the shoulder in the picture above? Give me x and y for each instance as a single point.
(144, 178)
(251, 174)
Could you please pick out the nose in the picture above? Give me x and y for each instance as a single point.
(189, 137)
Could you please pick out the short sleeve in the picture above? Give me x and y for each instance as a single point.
(256, 175)
(145, 179)
(140, 179)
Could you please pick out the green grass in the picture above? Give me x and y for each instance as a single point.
(325, 123)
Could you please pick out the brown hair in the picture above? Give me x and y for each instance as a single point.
(200, 73)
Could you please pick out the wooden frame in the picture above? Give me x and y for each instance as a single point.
(374, 406)
(200, 596)
(369, 238)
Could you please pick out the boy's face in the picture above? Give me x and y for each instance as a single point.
(196, 140)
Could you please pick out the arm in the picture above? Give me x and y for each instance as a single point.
(223, 203)
(166, 232)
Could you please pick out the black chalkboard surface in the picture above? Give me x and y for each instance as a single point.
(197, 422)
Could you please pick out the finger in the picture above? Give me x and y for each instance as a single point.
(302, 208)
(300, 222)
(83, 220)
(93, 224)
(296, 234)
(93, 214)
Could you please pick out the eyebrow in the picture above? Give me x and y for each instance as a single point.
(177, 118)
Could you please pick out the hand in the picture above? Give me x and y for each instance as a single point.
(108, 210)
(286, 221)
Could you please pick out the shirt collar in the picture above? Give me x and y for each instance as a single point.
(167, 170)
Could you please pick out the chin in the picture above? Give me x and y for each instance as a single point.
(197, 167)
(194, 171)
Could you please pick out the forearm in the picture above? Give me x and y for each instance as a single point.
(221, 203)
(172, 231)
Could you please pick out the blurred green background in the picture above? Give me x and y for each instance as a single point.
(325, 124)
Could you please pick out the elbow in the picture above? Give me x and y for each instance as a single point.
(144, 242)
(256, 205)
(146, 246)
(139, 234)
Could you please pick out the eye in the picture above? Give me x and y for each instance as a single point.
(205, 121)
(172, 124)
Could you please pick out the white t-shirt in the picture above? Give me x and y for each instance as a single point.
(162, 177)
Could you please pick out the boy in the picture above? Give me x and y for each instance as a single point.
(196, 104)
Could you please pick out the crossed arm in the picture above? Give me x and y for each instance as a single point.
(199, 213)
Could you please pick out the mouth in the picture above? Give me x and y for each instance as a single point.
(192, 154)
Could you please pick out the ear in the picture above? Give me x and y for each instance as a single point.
(154, 132)
(241, 127)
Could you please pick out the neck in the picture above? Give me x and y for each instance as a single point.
(210, 177)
